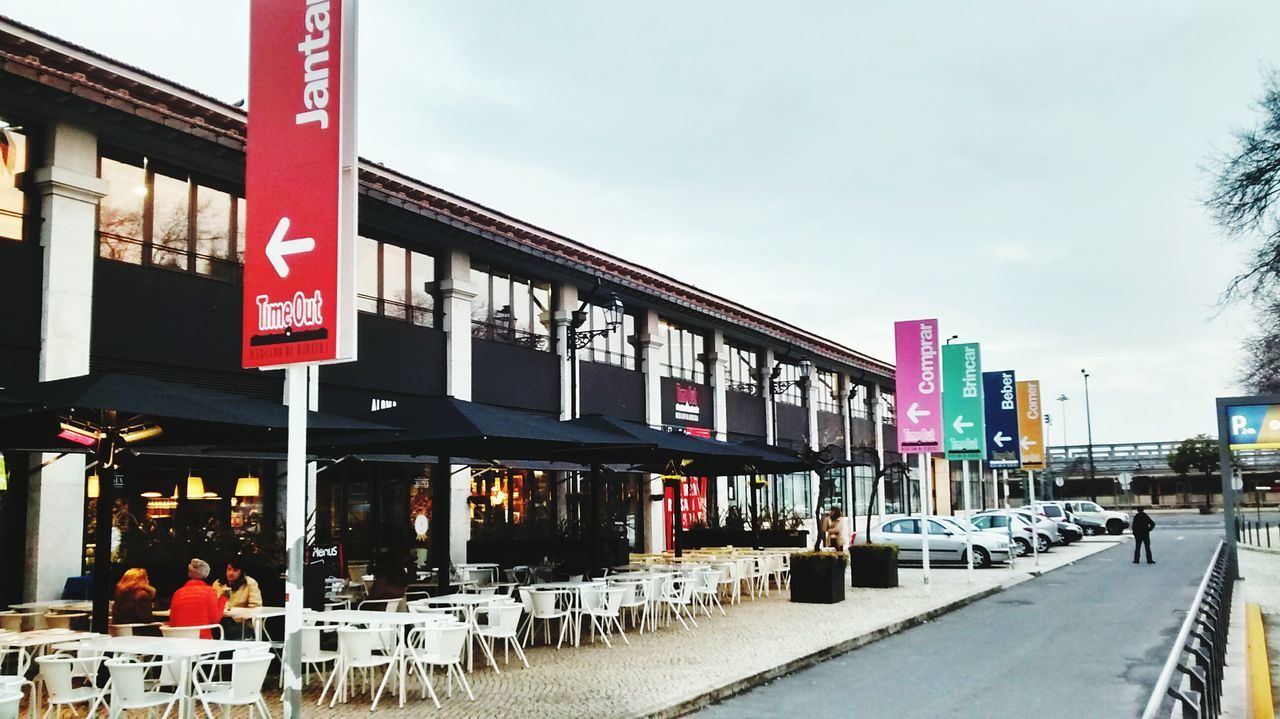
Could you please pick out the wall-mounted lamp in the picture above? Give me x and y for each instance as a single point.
(613, 314)
(778, 386)
(91, 486)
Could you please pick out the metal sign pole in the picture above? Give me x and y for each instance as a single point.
(1031, 501)
(968, 508)
(1010, 519)
(924, 515)
(1228, 482)
(294, 525)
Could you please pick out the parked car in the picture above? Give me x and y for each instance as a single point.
(1068, 526)
(1046, 529)
(1114, 522)
(1021, 530)
(947, 543)
(963, 525)
(1067, 530)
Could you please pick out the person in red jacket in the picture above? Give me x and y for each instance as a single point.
(196, 603)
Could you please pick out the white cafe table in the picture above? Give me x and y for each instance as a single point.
(256, 616)
(186, 651)
(78, 605)
(401, 620)
(36, 642)
(467, 603)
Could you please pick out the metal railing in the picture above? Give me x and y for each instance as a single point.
(1256, 533)
(1190, 684)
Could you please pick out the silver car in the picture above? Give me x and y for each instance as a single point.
(947, 543)
(1021, 531)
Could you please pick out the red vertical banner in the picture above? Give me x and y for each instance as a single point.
(300, 184)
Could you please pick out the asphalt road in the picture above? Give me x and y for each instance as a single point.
(1086, 640)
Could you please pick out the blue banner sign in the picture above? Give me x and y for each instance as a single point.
(1000, 409)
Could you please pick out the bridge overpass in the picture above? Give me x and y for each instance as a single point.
(1148, 459)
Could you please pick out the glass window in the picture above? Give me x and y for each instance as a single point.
(685, 353)
(827, 392)
(617, 347)
(889, 416)
(392, 281)
(13, 161)
(510, 308)
(740, 369)
(422, 277)
(214, 232)
(936, 527)
(170, 229)
(120, 212)
(793, 495)
(859, 401)
(395, 292)
(789, 375)
(367, 275)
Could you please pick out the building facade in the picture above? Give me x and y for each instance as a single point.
(121, 248)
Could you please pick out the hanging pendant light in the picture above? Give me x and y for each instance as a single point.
(195, 486)
(91, 487)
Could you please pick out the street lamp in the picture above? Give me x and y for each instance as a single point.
(578, 339)
(952, 337)
(1062, 401)
(778, 386)
(1088, 419)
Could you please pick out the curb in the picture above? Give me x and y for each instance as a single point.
(711, 696)
(707, 697)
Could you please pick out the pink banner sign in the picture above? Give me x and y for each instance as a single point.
(919, 387)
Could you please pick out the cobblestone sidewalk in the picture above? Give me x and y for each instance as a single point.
(672, 671)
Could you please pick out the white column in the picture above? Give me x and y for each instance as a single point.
(763, 499)
(842, 401)
(651, 352)
(69, 189)
(811, 390)
(456, 293)
(566, 303)
(717, 364)
(53, 552)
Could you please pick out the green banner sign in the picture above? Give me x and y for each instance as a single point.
(962, 427)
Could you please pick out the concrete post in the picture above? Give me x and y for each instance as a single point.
(456, 293)
(655, 533)
(69, 190)
(566, 303)
(717, 366)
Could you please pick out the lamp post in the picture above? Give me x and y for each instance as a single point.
(1088, 419)
(577, 339)
(778, 386)
(1062, 401)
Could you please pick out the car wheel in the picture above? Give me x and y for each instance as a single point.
(1043, 544)
(981, 557)
(1114, 527)
(1092, 531)
(1023, 546)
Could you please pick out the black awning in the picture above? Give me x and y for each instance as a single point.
(451, 427)
(681, 453)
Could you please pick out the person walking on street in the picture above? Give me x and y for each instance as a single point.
(1142, 526)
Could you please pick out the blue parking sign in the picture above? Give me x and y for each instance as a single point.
(1000, 410)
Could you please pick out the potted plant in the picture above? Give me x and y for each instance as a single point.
(873, 565)
(817, 577)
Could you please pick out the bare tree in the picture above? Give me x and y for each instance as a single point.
(1245, 202)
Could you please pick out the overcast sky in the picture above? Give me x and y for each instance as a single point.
(1030, 173)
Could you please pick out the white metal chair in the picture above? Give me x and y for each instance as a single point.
(313, 657)
(440, 645)
(658, 586)
(706, 590)
(248, 671)
(129, 688)
(603, 607)
(504, 624)
(678, 600)
(752, 576)
(11, 701)
(191, 632)
(385, 605)
(355, 654)
(548, 605)
(17, 683)
(730, 581)
(56, 671)
(635, 601)
(21, 660)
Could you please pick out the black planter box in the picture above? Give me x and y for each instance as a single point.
(873, 566)
(816, 581)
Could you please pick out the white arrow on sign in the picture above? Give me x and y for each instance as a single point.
(914, 413)
(1000, 438)
(278, 247)
(960, 425)
(1027, 442)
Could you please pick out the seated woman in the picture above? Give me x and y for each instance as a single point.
(134, 600)
(390, 576)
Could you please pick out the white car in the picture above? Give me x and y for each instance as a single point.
(1021, 530)
(1046, 529)
(1115, 522)
(947, 543)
